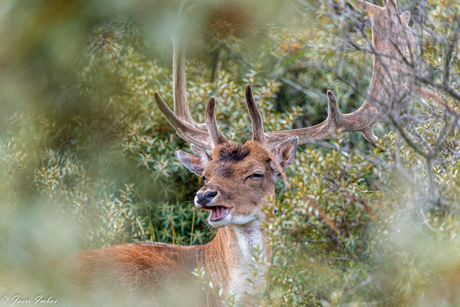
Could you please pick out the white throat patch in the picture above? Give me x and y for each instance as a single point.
(248, 238)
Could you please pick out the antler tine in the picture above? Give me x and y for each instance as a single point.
(391, 6)
(181, 119)
(256, 119)
(181, 106)
(363, 120)
(211, 124)
(367, 7)
(184, 130)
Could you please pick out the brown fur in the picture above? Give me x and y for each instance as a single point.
(227, 173)
(157, 269)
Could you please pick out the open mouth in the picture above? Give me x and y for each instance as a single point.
(218, 213)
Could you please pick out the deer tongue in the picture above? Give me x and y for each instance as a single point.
(218, 212)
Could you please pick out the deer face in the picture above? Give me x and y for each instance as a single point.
(237, 179)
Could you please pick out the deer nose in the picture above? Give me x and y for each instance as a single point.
(206, 198)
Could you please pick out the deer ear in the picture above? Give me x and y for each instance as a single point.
(195, 164)
(405, 18)
(285, 153)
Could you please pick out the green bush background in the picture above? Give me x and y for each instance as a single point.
(87, 161)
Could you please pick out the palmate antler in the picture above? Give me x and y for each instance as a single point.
(391, 38)
(394, 49)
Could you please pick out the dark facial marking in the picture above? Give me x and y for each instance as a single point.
(233, 154)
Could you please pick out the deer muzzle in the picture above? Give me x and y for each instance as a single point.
(205, 199)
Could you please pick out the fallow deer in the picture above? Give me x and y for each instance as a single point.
(238, 179)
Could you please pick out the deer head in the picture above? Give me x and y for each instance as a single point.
(237, 179)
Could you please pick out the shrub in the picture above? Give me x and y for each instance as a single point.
(87, 160)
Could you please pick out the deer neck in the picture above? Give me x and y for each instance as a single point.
(229, 259)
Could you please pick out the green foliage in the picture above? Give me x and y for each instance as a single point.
(322, 223)
(88, 160)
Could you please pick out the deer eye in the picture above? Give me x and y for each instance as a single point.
(204, 180)
(255, 176)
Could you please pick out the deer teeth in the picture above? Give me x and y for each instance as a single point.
(218, 212)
